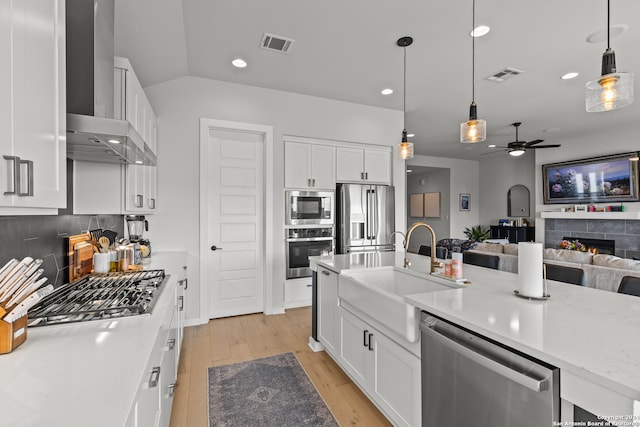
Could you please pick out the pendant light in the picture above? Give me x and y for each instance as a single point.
(405, 148)
(473, 130)
(612, 90)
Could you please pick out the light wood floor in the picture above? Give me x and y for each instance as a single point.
(236, 339)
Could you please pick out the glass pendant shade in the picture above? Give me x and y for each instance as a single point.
(609, 92)
(405, 148)
(612, 90)
(473, 131)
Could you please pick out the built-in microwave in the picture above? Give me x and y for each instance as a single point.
(308, 207)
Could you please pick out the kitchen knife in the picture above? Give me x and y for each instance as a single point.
(22, 308)
(32, 284)
(21, 279)
(12, 282)
(9, 274)
(7, 267)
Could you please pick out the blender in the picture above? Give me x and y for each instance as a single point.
(137, 225)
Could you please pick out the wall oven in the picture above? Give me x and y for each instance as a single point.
(308, 207)
(301, 243)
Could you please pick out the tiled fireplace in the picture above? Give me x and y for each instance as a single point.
(625, 233)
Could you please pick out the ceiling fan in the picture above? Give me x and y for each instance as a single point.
(517, 147)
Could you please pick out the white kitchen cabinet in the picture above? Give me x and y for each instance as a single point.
(328, 325)
(366, 165)
(309, 166)
(297, 292)
(132, 104)
(32, 107)
(140, 189)
(154, 399)
(387, 372)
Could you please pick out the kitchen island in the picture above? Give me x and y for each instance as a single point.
(87, 374)
(591, 335)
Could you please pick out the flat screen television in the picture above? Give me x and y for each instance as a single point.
(604, 179)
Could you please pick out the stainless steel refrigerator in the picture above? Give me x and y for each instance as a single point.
(364, 218)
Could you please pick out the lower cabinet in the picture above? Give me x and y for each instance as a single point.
(387, 372)
(152, 406)
(297, 292)
(328, 330)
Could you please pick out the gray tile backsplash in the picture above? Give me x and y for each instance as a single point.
(626, 233)
(45, 237)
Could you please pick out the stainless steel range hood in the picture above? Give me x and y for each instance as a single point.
(93, 134)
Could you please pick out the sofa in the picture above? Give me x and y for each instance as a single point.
(600, 271)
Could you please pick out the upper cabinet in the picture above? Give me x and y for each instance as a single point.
(309, 166)
(32, 107)
(131, 103)
(366, 165)
(123, 189)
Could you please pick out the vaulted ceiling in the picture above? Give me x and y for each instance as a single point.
(346, 50)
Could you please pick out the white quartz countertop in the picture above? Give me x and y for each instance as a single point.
(587, 333)
(83, 374)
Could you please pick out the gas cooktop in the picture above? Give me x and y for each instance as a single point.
(98, 297)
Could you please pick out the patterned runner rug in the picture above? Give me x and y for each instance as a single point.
(272, 391)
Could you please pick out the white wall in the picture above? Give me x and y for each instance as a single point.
(179, 105)
(464, 178)
(430, 182)
(575, 147)
(499, 173)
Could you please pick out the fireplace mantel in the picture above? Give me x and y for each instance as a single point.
(590, 215)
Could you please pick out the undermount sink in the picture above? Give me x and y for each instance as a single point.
(378, 293)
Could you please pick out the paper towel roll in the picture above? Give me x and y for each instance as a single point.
(530, 277)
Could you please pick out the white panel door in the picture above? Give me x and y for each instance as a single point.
(235, 200)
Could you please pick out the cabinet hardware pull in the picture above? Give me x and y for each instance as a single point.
(361, 175)
(186, 283)
(308, 286)
(29, 192)
(313, 182)
(171, 343)
(16, 175)
(325, 272)
(366, 176)
(171, 389)
(180, 303)
(364, 335)
(139, 200)
(155, 376)
(370, 347)
(308, 182)
(152, 203)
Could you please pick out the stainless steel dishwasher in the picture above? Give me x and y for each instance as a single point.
(471, 381)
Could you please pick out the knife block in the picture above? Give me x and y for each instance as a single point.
(12, 334)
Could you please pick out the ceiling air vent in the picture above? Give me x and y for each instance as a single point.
(504, 74)
(276, 43)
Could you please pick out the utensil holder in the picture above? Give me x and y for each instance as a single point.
(12, 334)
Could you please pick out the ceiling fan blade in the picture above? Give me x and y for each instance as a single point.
(534, 142)
(545, 146)
(495, 151)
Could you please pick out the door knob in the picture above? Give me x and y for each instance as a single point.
(215, 248)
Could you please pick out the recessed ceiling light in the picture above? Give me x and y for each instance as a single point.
(480, 30)
(601, 35)
(386, 91)
(114, 141)
(491, 146)
(409, 170)
(139, 162)
(239, 63)
(411, 135)
(569, 76)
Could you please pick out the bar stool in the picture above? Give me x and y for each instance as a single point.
(561, 273)
(630, 285)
